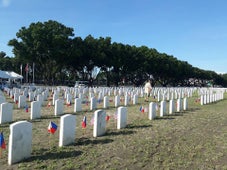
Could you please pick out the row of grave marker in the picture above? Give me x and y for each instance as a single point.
(20, 138)
(98, 130)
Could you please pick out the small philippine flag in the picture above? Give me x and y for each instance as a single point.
(84, 122)
(107, 118)
(52, 127)
(2, 141)
(142, 109)
(26, 108)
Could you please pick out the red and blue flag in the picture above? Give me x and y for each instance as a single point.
(2, 141)
(84, 122)
(142, 109)
(52, 127)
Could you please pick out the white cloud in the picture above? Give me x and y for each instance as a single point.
(6, 3)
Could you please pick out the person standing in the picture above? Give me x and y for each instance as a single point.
(147, 89)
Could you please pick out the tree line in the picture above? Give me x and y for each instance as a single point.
(61, 58)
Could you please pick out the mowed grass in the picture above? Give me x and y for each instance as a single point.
(193, 139)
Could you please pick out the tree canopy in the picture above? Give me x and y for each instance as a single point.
(61, 57)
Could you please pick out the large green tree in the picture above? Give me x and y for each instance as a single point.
(47, 45)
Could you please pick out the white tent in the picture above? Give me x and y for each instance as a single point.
(10, 75)
(3, 75)
(14, 75)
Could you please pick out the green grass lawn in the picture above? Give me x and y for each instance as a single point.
(193, 139)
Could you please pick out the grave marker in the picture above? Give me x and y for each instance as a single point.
(20, 141)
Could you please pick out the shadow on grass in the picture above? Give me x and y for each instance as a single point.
(48, 117)
(165, 117)
(192, 110)
(130, 126)
(54, 154)
(87, 141)
(112, 133)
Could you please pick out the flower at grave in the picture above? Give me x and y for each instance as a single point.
(107, 118)
(84, 122)
(16, 101)
(2, 141)
(52, 127)
(99, 101)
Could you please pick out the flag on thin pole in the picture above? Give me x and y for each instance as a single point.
(107, 118)
(2, 141)
(26, 108)
(33, 71)
(26, 70)
(2, 144)
(52, 127)
(26, 67)
(21, 67)
(142, 109)
(84, 122)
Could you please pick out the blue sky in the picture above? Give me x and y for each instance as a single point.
(191, 30)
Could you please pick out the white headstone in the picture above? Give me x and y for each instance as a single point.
(67, 130)
(152, 111)
(126, 100)
(202, 100)
(117, 101)
(159, 96)
(16, 97)
(68, 98)
(35, 110)
(6, 113)
(93, 104)
(99, 123)
(163, 108)
(106, 102)
(59, 107)
(121, 117)
(30, 96)
(2, 99)
(40, 98)
(179, 105)
(55, 97)
(135, 99)
(171, 106)
(78, 105)
(22, 101)
(20, 141)
(185, 107)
